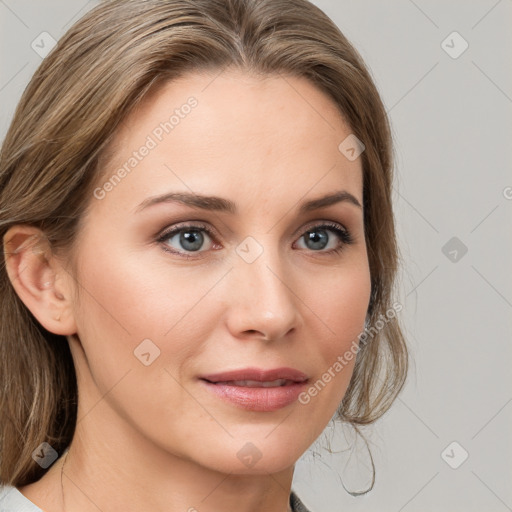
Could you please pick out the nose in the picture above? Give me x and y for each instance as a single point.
(262, 302)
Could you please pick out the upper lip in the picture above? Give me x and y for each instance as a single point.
(257, 374)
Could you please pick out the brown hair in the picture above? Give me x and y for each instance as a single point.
(70, 111)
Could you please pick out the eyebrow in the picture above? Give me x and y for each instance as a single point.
(220, 204)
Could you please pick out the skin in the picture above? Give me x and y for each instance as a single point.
(151, 437)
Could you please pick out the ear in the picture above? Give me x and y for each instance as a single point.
(39, 279)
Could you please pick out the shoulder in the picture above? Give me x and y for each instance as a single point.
(296, 503)
(11, 500)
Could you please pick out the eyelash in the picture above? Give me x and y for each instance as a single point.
(344, 235)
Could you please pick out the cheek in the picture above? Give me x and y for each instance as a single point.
(139, 335)
(341, 302)
(125, 302)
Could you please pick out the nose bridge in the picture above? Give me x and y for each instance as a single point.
(264, 296)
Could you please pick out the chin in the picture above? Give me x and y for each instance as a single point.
(257, 456)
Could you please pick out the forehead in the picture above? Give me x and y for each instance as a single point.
(232, 134)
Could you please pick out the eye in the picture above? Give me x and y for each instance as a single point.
(188, 238)
(317, 238)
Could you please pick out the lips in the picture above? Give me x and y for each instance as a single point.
(257, 375)
(257, 383)
(256, 389)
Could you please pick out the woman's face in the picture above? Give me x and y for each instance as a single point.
(186, 303)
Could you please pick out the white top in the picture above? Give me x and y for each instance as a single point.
(11, 500)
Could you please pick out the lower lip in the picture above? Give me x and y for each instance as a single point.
(258, 399)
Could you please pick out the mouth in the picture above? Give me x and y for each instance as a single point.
(256, 383)
(257, 389)
(275, 376)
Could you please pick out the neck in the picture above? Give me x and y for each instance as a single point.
(114, 469)
(184, 489)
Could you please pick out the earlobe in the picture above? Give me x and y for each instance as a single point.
(35, 276)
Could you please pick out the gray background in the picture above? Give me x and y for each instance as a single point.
(452, 125)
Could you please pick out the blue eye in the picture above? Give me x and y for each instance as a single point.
(317, 238)
(190, 238)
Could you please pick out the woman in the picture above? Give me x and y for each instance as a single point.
(198, 258)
